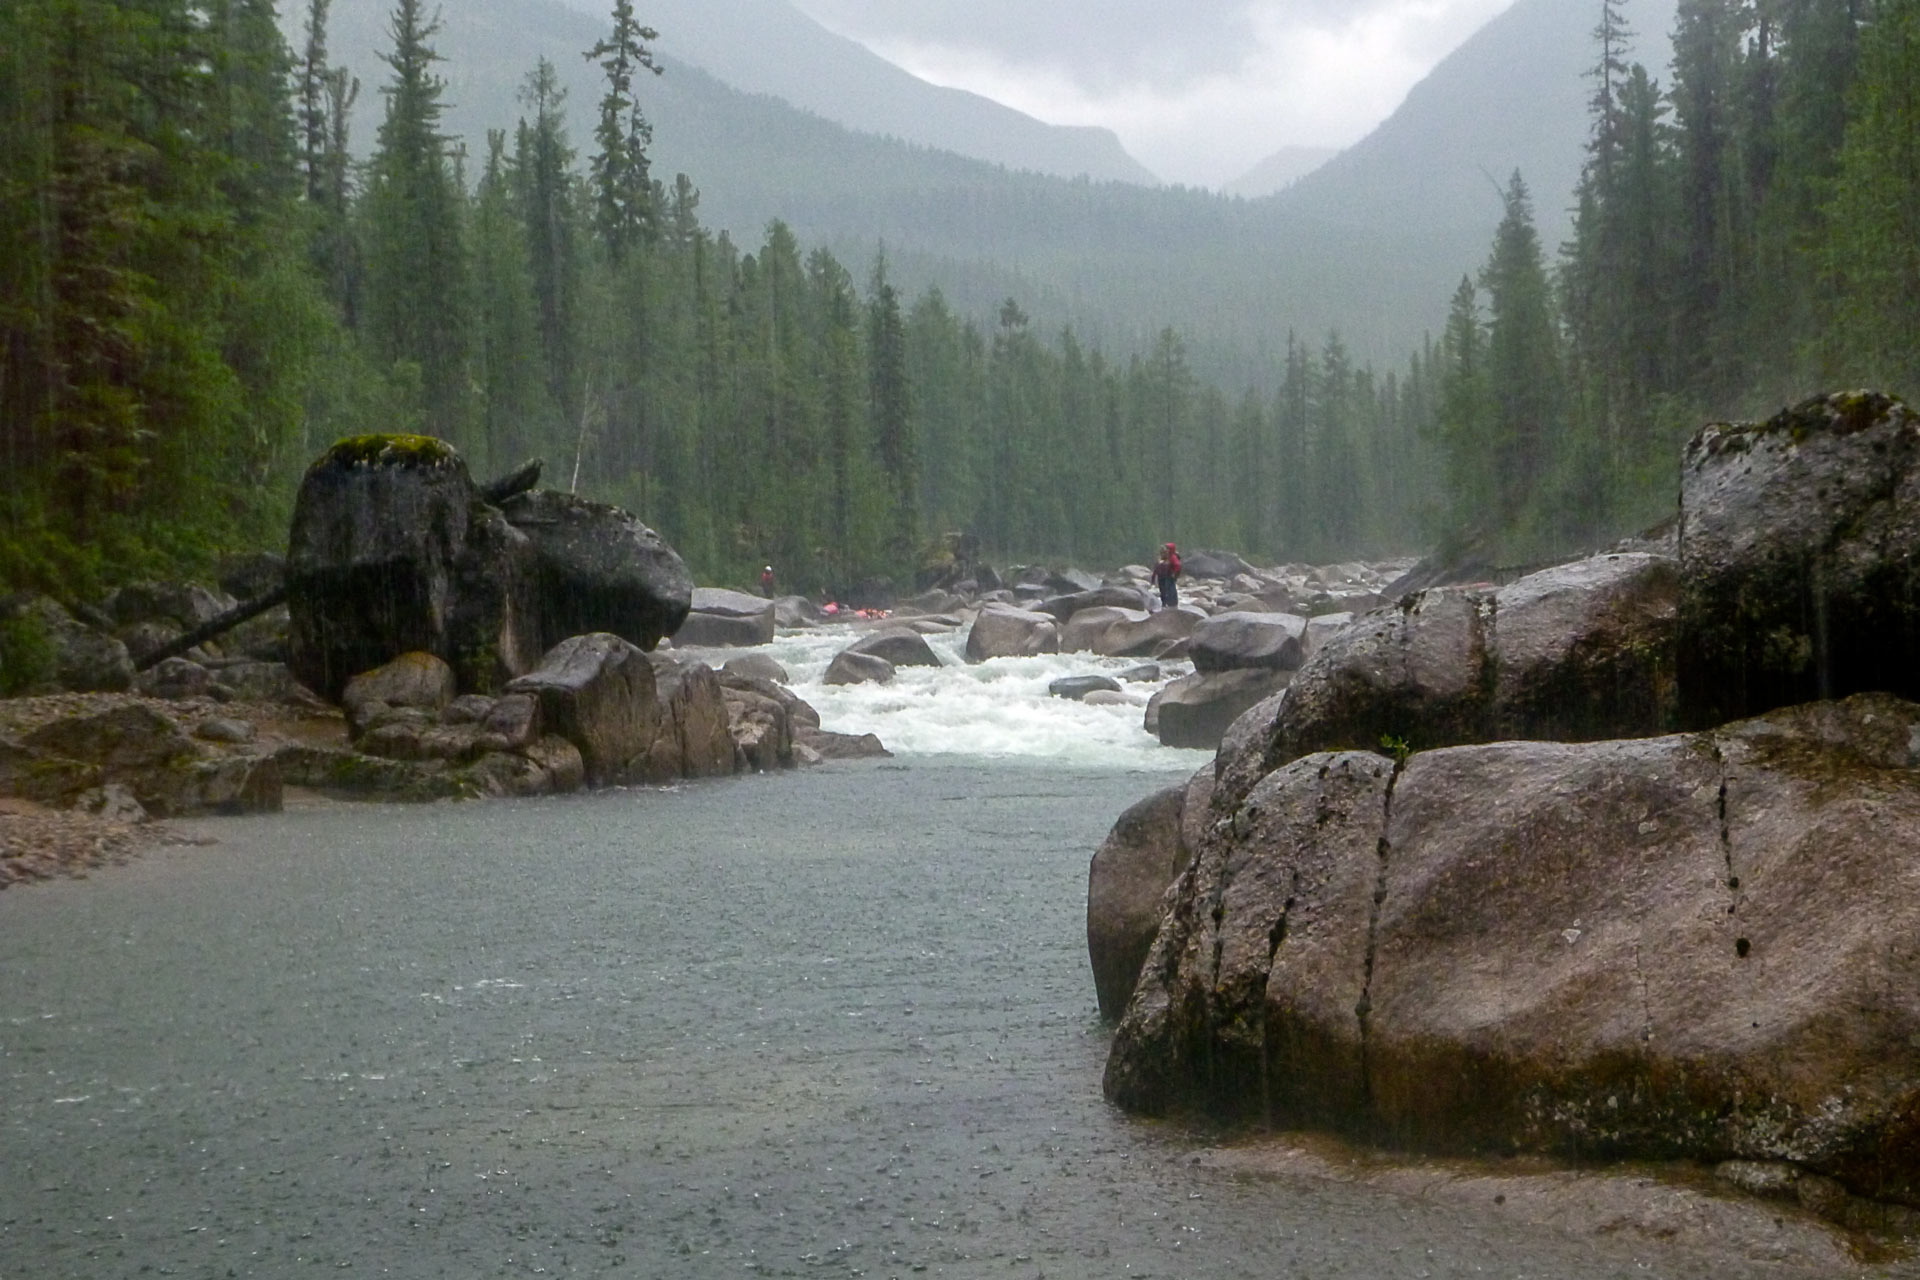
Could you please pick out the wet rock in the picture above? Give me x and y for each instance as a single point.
(597, 691)
(1322, 629)
(762, 731)
(1062, 608)
(1086, 630)
(76, 657)
(796, 708)
(112, 802)
(853, 667)
(174, 679)
(1240, 641)
(415, 681)
(1113, 698)
(1283, 897)
(840, 746)
(1195, 711)
(1800, 558)
(515, 720)
(1076, 688)
(900, 646)
(184, 605)
(355, 775)
(599, 569)
(759, 666)
(794, 612)
(1003, 632)
(254, 681)
(726, 619)
(693, 739)
(468, 708)
(1146, 673)
(1648, 948)
(1149, 637)
(1126, 881)
(934, 602)
(392, 551)
(228, 732)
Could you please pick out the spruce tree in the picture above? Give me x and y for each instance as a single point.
(623, 212)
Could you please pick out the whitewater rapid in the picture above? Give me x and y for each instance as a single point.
(995, 710)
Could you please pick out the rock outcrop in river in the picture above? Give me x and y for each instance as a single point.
(1632, 942)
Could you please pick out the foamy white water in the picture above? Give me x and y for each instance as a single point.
(996, 710)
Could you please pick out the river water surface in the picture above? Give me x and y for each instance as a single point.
(831, 1023)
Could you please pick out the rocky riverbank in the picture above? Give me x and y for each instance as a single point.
(1499, 874)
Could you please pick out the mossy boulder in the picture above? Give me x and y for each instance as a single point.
(392, 550)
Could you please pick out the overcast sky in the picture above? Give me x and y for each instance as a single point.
(1198, 90)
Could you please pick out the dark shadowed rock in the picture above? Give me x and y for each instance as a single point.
(1800, 558)
(1195, 711)
(726, 619)
(598, 693)
(1003, 632)
(597, 568)
(900, 646)
(392, 551)
(1076, 688)
(174, 679)
(854, 667)
(1238, 641)
(1126, 883)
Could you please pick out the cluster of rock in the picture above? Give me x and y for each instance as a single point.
(481, 641)
(1245, 630)
(1622, 859)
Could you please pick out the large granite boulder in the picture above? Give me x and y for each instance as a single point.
(1578, 652)
(1654, 948)
(1126, 882)
(902, 646)
(1086, 631)
(1196, 711)
(598, 692)
(1236, 641)
(853, 667)
(597, 568)
(1221, 565)
(1000, 631)
(1149, 637)
(722, 619)
(393, 550)
(1800, 558)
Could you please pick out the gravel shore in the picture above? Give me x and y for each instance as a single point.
(37, 843)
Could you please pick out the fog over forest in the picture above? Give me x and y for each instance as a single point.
(1490, 322)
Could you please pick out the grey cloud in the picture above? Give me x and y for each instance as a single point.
(1098, 41)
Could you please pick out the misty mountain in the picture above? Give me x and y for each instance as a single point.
(1371, 244)
(756, 46)
(1514, 96)
(1279, 171)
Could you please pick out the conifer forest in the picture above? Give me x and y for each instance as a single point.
(205, 280)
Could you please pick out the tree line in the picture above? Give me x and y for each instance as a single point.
(203, 289)
(1743, 237)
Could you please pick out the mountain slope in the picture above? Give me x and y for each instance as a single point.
(1514, 96)
(1278, 171)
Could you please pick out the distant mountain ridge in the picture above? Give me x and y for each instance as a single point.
(1371, 244)
(1279, 171)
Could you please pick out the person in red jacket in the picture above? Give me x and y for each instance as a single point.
(766, 582)
(1166, 575)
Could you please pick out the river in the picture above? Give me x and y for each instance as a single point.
(829, 1023)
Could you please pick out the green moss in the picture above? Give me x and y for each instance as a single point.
(393, 450)
(27, 657)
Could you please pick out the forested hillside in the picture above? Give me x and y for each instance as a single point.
(1745, 234)
(200, 289)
